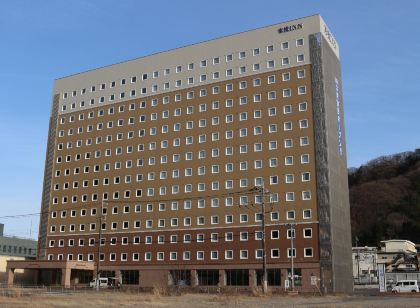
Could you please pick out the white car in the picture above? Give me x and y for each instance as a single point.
(103, 283)
(404, 286)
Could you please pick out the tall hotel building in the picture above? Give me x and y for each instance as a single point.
(172, 155)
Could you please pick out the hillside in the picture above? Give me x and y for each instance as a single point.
(385, 199)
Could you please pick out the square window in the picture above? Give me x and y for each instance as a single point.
(303, 123)
(290, 196)
(301, 90)
(228, 254)
(308, 252)
(275, 253)
(291, 252)
(301, 73)
(307, 214)
(289, 178)
(300, 58)
(290, 215)
(303, 106)
(243, 254)
(307, 233)
(306, 195)
(287, 109)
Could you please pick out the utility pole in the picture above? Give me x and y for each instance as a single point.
(264, 278)
(358, 260)
(292, 235)
(99, 245)
(261, 190)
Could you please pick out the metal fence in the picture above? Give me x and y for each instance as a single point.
(28, 290)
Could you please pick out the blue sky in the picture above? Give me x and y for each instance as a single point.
(44, 40)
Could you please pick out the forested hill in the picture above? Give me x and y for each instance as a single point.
(385, 199)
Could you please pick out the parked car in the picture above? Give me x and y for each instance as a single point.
(103, 283)
(404, 286)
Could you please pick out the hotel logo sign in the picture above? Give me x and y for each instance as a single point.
(330, 37)
(290, 28)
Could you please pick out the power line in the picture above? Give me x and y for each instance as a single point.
(242, 192)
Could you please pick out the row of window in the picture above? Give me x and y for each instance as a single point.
(308, 252)
(215, 105)
(177, 157)
(189, 140)
(175, 173)
(176, 127)
(151, 176)
(13, 249)
(189, 125)
(186, 238)
(176, 222)
(175, 189)
(175, 206)
(189, 67)
(287, 92)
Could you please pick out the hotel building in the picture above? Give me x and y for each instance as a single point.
(166, 156)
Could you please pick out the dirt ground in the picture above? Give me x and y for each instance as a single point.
(106, 299)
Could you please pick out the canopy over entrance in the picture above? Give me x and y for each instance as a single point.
(65, 266)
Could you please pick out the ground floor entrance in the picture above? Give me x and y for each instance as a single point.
(304, 279)
(79, 273)
(52, 272)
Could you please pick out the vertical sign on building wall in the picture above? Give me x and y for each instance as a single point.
(338, 105)
(381, 276)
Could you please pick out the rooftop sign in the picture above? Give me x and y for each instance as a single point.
(329, 37)
(290, 28)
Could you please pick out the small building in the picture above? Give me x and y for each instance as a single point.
(398, 246)
(365, 268)
(398, 256)
(15, 248)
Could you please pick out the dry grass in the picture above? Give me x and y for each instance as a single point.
(159, 299)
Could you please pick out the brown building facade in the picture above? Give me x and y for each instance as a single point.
(165, 155)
